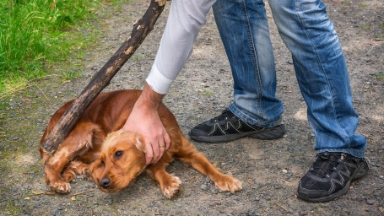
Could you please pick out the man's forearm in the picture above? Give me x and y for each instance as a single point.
(184, 22)
(149, 98)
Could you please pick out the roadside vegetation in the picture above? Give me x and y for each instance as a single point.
(39, 35)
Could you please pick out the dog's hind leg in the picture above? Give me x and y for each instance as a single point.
(189, 155)
(169, 184)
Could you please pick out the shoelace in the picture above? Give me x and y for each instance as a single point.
(325, 164)
(226, 114)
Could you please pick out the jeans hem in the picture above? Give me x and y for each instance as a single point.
(255, 121)
(353, 152)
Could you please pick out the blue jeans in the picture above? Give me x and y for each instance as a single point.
(318, 61)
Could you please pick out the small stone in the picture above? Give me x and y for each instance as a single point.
(370, 202)
(207, 179)
(213, 190)
(203, 187)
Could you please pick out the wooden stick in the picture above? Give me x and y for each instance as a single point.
(76, 194)
(103, 77)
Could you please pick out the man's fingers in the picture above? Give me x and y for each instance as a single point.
(167, 140)
(156, 152)
(156, 148)
(161, 150)
(149, 154)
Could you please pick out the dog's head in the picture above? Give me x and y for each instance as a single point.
(122, 159)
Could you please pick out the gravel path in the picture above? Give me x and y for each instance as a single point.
(269, 170)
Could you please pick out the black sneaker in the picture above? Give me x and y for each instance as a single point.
(330, 176)
(227, 127)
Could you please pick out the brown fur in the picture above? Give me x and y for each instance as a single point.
(96, 147)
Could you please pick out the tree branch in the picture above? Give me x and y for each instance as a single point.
(103, 77)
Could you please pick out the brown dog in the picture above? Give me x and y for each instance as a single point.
(114, 161)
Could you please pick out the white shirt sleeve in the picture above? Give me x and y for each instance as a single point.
(184, 22)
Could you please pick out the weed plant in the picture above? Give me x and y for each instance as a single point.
(37, 34)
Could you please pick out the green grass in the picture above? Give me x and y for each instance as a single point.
(364, 26)
(12, 209)
(380, 75)
(70, 75)
(37, 35)
(208, 93)
(138, 57)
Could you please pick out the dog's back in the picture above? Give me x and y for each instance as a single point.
(105, 110)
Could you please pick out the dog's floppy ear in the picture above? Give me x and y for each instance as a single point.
(139, 143)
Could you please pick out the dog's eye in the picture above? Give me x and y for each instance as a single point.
(118, 154)
(102, 162)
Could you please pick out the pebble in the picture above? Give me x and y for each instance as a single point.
(203, 187)
(109, 201)
(207, 179)
(370, 202)
(213, 190)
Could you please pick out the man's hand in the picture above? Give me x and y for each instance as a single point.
(145, 120)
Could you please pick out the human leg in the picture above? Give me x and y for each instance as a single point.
(324, 83)
(243, 28)
(322, 74)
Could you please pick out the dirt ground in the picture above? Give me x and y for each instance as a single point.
(270, 170)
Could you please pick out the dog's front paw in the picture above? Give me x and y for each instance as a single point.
(171, 187)
(68, 175)
(228, 183)
(60, 187)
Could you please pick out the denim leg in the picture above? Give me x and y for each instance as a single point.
(321, 73)
(243, 28)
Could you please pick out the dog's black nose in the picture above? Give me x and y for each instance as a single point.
(104, 182)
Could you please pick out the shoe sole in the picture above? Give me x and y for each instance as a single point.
(358, 174)
(265, 134)
(327, 198)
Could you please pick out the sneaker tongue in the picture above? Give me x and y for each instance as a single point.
(324, 164)
(226, 114)
(324, 156)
